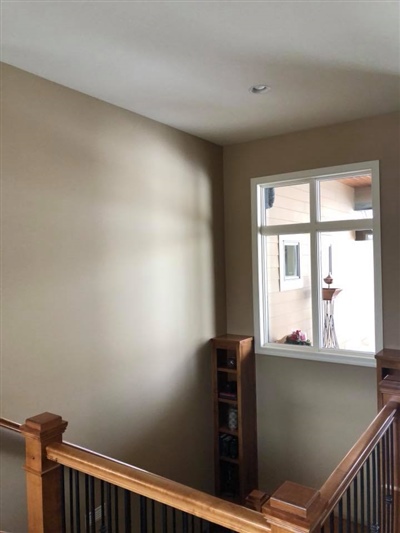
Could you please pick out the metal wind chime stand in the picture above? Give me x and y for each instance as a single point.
(328, 295)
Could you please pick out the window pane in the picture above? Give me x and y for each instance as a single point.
(346, 198)
(288, 286)
(287, 205)
(348, 320)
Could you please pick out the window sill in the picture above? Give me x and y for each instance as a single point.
(313, 354)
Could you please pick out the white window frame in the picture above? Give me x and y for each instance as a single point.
(259, 232)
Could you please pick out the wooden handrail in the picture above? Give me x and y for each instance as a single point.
(158, 488)
(9, 424)
(297, 508)
(340, 479)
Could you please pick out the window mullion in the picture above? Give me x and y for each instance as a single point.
(315, 263)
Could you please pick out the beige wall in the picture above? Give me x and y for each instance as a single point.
(113, 280)
(310, 413)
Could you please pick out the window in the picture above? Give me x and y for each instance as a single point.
(316, 264)
(290, 263)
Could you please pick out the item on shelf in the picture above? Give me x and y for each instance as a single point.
(224, 445)
(228, 446)
(233, 448)
(232, 418)
(229, 480)
(231, 362)
(227, 396)
(228, 391)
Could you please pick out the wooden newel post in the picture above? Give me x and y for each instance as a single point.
(293, 508)
(43, 477)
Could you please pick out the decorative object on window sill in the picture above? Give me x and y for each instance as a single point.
(298, 337)
(329, 294)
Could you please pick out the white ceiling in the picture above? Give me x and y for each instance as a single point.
(189, 64)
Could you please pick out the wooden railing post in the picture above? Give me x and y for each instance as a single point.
(256, 499)
(43, 477)
(293, 508)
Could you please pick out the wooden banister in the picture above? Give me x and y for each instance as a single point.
(160, 489)
(346, 471)
(9, 424)
(295, 508)
(43, 477)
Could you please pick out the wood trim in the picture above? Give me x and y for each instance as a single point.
(338, 482)
(160, 489)
(294, 508)
(9, 424)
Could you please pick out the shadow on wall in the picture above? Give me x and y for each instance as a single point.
(165, 447)
(13, 481)
(113, 270)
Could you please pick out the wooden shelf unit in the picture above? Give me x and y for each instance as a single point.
(388, 375)
(235, 449)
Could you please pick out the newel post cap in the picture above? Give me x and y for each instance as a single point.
(40, 431)
(293, 508)
(44, 425)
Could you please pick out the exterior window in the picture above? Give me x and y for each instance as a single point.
(316, 257)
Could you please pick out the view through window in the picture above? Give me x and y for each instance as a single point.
(316, 251)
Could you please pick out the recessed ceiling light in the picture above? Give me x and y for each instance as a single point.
(260, 89)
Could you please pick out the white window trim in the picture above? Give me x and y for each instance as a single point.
(259, 229)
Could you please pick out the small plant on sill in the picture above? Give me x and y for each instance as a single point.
(298, 337)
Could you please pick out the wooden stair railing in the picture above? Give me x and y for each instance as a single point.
(298, 509)
(46, 455)
(371, 468)
(292, 508)
(9, 424)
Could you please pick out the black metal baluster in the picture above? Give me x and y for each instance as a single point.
(87, 510)
(368, 466)
(391, 469)
(103, 508)
(63, 524)
(173, 520)
(206, 527)
(354, 518)
(192, 522)
(332, 522)
(385, 484)
(348, 511)
(92, 506)
(164, 519)
(340, 517)
(388, 486)
(185, 523)
(116, 508)
(153, 517)
(71, 501)
(78, 502)
(379, 481)
(127, 511)
(143, 514)
(362, 496)
(109, 508)
(374, 491)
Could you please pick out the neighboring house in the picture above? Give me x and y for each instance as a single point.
(126, 246)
